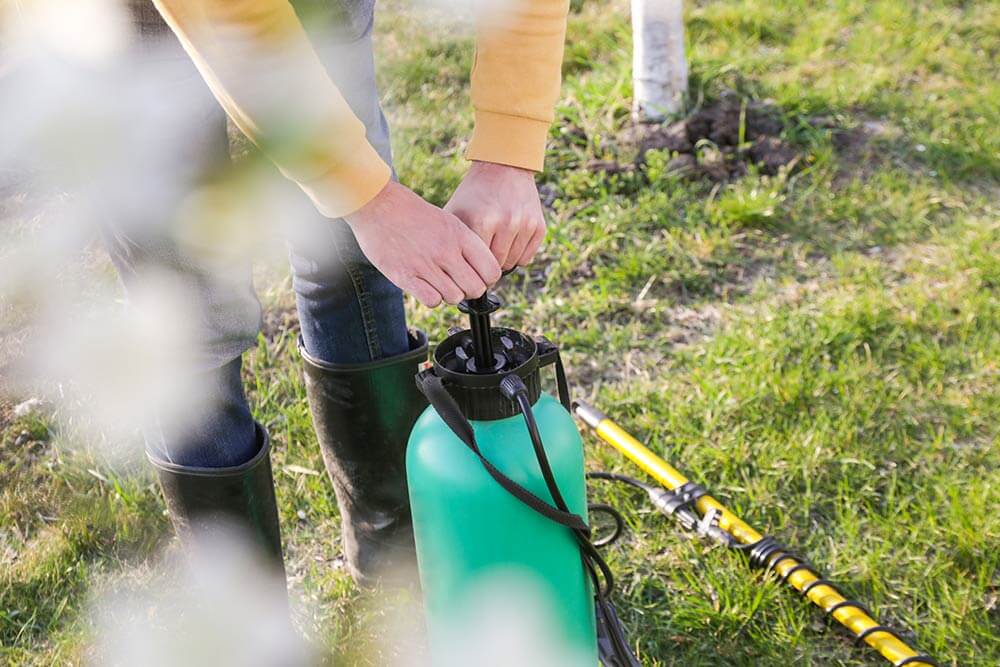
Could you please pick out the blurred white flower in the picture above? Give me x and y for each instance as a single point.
(217, 606)
(84, 31)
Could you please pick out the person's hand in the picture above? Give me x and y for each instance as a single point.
(422, 249)
(501, 205)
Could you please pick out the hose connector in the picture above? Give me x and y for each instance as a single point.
(511, 386)
(590, 415)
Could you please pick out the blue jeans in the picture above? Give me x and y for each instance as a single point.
(348, 311)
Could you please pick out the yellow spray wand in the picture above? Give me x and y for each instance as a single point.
(763, 551)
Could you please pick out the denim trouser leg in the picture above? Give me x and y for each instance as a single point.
(349, 312)
(150, 250)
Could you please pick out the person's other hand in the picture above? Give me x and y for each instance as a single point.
(501, 205)
(423, 250)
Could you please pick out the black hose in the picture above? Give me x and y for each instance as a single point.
(615, 651)
(617, 477)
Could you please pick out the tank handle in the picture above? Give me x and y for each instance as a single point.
(548, 353)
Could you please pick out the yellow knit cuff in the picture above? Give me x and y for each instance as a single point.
(512, 140)
(347, 187)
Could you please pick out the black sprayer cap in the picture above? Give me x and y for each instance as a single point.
(473, 361)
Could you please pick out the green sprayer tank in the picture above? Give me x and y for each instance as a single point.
(486, 556)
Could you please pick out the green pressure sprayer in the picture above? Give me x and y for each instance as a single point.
(496, 480)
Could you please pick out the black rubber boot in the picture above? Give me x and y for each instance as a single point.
(363, 414)
(200, 499)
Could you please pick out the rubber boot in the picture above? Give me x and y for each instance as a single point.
(363, 414)
(200, 499)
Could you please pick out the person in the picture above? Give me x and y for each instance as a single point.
(374, 240)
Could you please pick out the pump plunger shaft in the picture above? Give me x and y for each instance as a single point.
(482, 335)
(479, 310)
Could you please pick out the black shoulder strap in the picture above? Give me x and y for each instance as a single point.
(432, 387)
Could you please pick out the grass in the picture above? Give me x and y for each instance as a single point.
(821, 349)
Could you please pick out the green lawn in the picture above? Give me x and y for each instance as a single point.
(820, 348)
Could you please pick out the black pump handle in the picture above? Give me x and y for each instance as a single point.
(479, 310)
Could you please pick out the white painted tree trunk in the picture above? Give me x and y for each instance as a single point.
(659, 68)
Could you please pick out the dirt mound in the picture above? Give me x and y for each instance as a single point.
(716, 142)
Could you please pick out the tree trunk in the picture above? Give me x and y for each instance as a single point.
(659, 67)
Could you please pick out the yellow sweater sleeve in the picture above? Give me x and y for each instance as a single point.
(256, 58)
(515, 81)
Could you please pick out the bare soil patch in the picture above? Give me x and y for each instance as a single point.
(717, 142)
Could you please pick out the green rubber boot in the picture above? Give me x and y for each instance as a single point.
(363, 414)
(200, 500)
